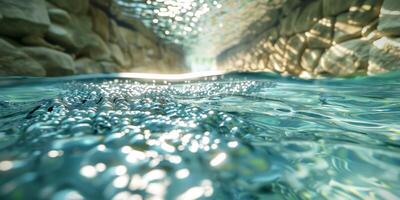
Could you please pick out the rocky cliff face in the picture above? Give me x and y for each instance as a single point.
(323, 37)
(57, 37)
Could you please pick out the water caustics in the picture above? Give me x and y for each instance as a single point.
(232, 136)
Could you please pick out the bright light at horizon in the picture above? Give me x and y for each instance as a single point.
(169, 76)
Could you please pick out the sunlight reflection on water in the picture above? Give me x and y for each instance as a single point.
(240, 136)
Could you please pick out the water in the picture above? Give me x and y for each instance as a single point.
(236, 136)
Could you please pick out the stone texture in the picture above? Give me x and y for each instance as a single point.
(273, 34)
(56, 63)
(118, 55)
(115, 35)
(62, 37)
(310, 59)
(78, 38)
(139, 27)
(101, 24)
(362, 12)
(368, 29)
(384, 55)
(95, 48)
(308, 16)
(263, 63)
(72, 6)
(291, 5)
(320, 36)
(103, 40)
(292, 69)
(21, 17)
(277, 62)
(59, 16)
(345, 59)
(288, 24)
(268, 46)
(294, 49)
(339, 36)
(90, 35)
(38, 40)
(14, 62)
(345, 31)
(87, 66)
(104, 3)
(75, 35)
(280, 46)
(335, 7)
(389, 23)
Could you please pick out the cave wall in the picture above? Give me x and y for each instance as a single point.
(66, 37)
(323, 38)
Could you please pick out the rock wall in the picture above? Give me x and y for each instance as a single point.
(65, 37)
(323, 38)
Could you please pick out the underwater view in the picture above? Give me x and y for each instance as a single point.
(230, 136)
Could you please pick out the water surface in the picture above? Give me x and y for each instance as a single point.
(233, 136)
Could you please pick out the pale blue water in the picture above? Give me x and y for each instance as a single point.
(237, 136)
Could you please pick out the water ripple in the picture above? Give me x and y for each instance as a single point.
(238, 136)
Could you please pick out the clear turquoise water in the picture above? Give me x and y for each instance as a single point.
(236, 136)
